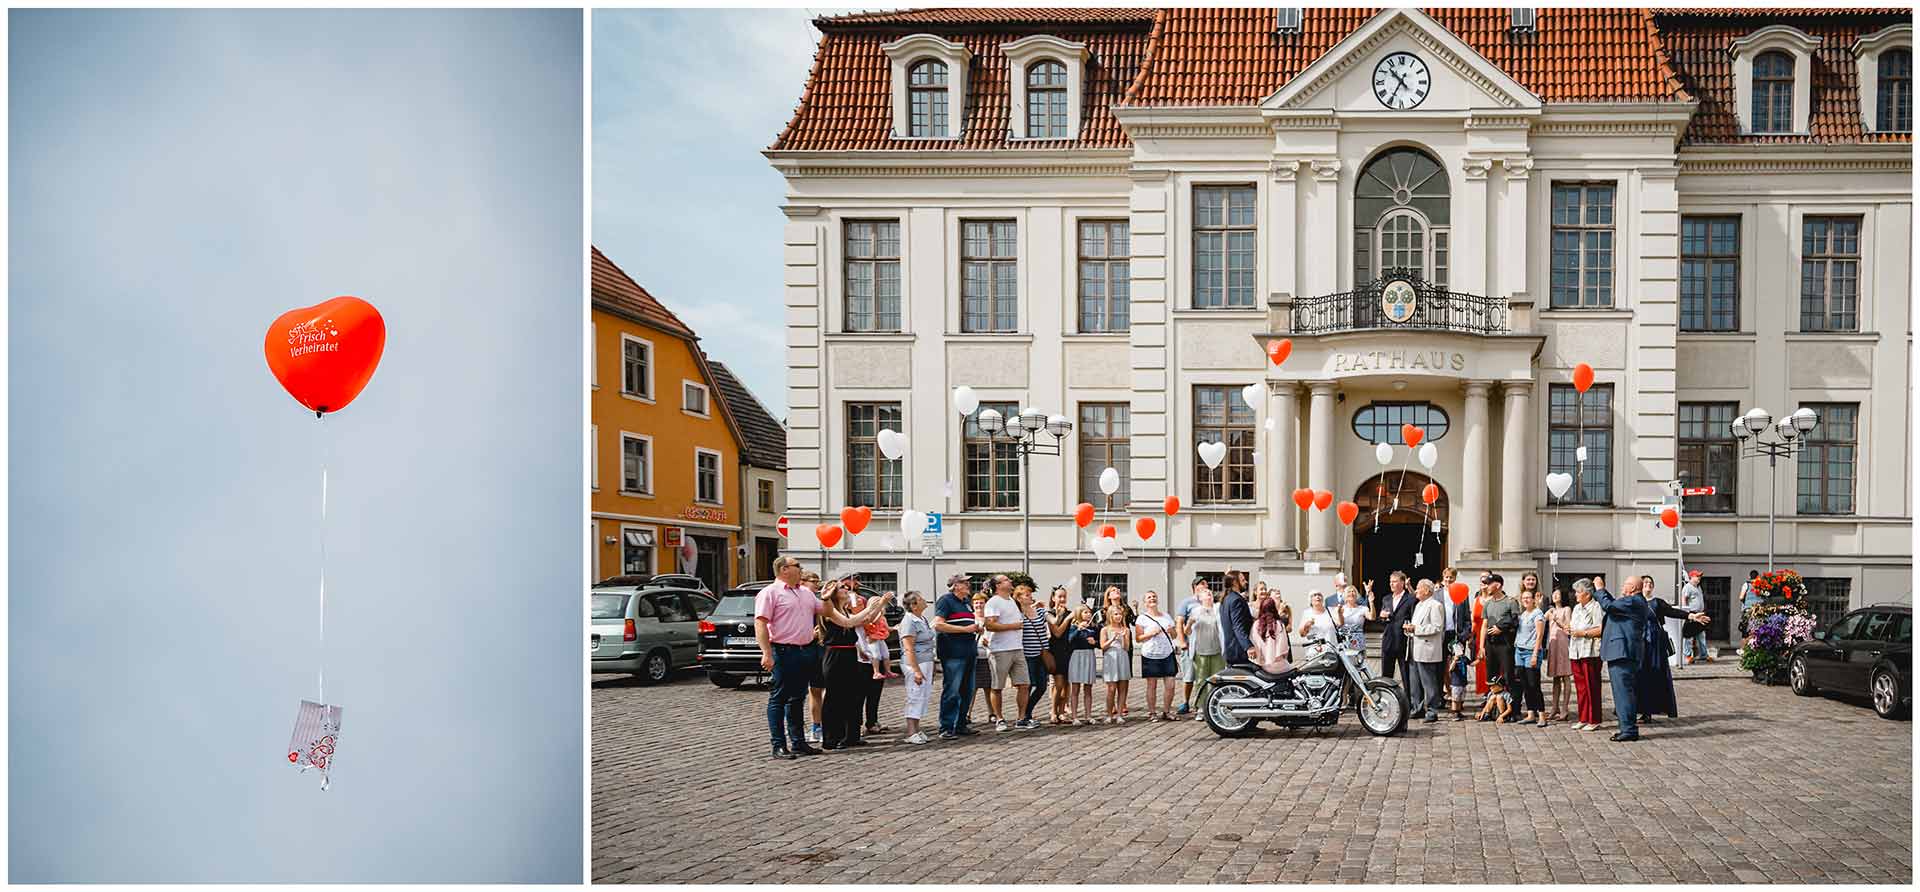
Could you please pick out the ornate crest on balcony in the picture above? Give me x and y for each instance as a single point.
(1400, 299)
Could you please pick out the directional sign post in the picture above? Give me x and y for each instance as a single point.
(1689, 540)
(1698, 491)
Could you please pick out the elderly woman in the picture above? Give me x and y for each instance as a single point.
(1583, 647)
(1318, 623)
(916, 657)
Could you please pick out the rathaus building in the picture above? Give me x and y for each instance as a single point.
(1112, 215)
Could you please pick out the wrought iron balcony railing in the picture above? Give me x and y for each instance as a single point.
(1416, 305)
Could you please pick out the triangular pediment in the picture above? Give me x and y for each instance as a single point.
(1342, 78)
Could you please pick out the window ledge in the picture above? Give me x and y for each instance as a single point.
(1223, 508)
(1856, 337)
(885, 337)
(1718, 336)
(1585, 313)
(637, 495)
(988, 336)
(707, 416)
(636, 398)
(1257, 314)
(1116, 336)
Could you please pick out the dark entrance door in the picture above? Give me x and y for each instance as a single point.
(711, 562)
(1395, 531)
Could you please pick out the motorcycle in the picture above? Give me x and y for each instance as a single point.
(1308, 695)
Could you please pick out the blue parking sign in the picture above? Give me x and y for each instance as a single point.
(933, 523)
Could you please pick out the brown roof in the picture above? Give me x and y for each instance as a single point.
(617, 292)
(1233, 57)
(1699, 50)
(765, 438)
(978, 16)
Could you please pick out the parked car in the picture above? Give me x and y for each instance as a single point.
(645, 632)
(657, 580)
(1868, 652)
(730, 650)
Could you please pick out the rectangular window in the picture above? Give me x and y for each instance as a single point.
(989, 275)
(1575, 419)
(1220, 415)
(1710, 274)
(636, 464)
(1828, 457)
(1442, 244)
(636, 377)
(873, 275)
(1105, 264)
(636, 551)
(1719, 593)
(1104, 431)
(1830, 274)
(1093, 584)
(1895, 94)
(1582, 245)
(1709, 455)
(1215, 581)
(873, 480)
(706, 476)
(693, 397)
(1362, 256)
(1224, 234)
(1831, 598)
(992, 464)
(765, 494)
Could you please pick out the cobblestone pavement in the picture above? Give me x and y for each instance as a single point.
(1751, 784)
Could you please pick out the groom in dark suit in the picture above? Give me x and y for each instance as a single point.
(1236, 621)
(1621, 644)
(1395, 613)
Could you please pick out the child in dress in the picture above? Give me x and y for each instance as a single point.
(873, 643)
(1084, 639)
(1116, 661)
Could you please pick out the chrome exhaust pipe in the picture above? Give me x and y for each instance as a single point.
(1242, 703)
(1282, 713)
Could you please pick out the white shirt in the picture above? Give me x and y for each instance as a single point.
(1322, 625)
(1158, 646)
(1004, 610)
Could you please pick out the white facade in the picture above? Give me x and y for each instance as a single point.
(1303, 150)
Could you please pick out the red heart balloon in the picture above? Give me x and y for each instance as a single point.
(1413, 435)
(1083, 514)
(1279, 350)
(828, 534)
(1670, 517)
(1457, 592)
(1303, 498)
(1430, 493)
(855, 519)
(293, 757)
(1143, 527)
(1107, 531)
(1582, 377)
(1348, 511)
(324, 354)
(1172, 505)
(1322, 499)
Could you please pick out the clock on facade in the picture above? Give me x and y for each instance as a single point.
(1401, 81)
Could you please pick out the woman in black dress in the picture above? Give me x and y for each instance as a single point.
(1653, 687)
(847, 679)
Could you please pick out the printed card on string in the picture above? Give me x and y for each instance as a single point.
(316, 734)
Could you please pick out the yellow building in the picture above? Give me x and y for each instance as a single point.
(666, 473)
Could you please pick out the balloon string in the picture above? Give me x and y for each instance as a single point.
(326, 452)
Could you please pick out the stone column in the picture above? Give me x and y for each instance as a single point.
(1516, 468)
(1470, 242)
(1283, 451)
(1320, 469)
(1320, 223)
(1514, 229)
(1470, 510)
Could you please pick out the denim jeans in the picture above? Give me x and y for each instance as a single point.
(793, 669)
(956, 692)
(1697, 646)
(1036, 673)
(1623, 673)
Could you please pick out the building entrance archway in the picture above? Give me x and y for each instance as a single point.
(1395, 530)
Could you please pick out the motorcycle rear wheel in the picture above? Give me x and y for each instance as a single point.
(1223, 722)
(1390, 709)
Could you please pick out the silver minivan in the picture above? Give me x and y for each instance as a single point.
(645, 632)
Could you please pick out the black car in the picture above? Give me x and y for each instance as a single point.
(1869, 651)
(730, 652)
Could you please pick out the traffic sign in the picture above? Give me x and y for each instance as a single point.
(933, 523)
(1697, 491)
(781, 525)
(1689, 540)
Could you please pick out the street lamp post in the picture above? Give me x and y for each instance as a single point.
(1750, 429)
(1024, 431)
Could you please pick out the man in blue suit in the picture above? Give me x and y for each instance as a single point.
(1628, 616)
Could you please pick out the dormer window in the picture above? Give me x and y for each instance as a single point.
(1885, 58)
(927, 98)
(929, 86)
(1047, 100)
(1772, 80)
(1045, 74)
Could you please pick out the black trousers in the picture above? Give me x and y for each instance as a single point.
(847, 680)
(1529, 689)
(1396, 658)
(1500, 663)
(875, 686)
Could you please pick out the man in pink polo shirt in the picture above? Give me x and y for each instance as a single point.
(784, 614)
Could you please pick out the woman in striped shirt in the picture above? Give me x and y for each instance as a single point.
(1033, 643)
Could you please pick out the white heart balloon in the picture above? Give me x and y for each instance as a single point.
(1104, 547)
(912, 524)
(1558, 484)
(1429, 455)
(1109, 481)
(893, 444)
(1213, 453)
(1268, 424)
(1383, 453)
(1251, 393)
(965, 400)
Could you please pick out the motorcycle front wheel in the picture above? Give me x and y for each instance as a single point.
(1223, 721)
(1388, 712)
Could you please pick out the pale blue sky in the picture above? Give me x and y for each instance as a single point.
(179, 179)
(684, 101)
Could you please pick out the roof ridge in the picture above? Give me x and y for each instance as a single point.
(645, 299)
(750, 394)
(1146, 56)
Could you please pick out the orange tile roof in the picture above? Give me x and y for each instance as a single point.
(617, 292)
(1699, 50)
(980, 15)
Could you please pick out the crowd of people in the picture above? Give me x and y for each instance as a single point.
(1527, 657)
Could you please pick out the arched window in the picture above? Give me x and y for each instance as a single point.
(1401, 217)
(1895, 96)
(1047, 100)
(1380, 422)
(927, 98)
(1773, 93)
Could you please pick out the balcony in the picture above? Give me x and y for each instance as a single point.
(1412, 305)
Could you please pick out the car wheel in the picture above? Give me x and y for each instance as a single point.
(725, 680)
(1887, 699)
(1797, 677)
(656, 668)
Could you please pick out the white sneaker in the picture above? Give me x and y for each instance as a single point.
(918, 737)
(1000, 725)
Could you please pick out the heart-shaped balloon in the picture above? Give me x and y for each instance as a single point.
(1430, 493)
(828, 534)
(1213, 453)
(1429, 455)
(1582, 377)
(1383, 453)
(1413, 435)
(1109, 480)
(1558, 484)
(1347, 512)
(1303, 498)
(1670, 517)
(1104, 547)
(1107, 531)
(325, 354)
(1457, 592)
(912, 524)
(1321, 499)
(1279, 350)
(965, 400)
(1143, 527)
(1083, 514)
(1172, 505)
(855, 519)
(1251, 394)
(893, 444)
